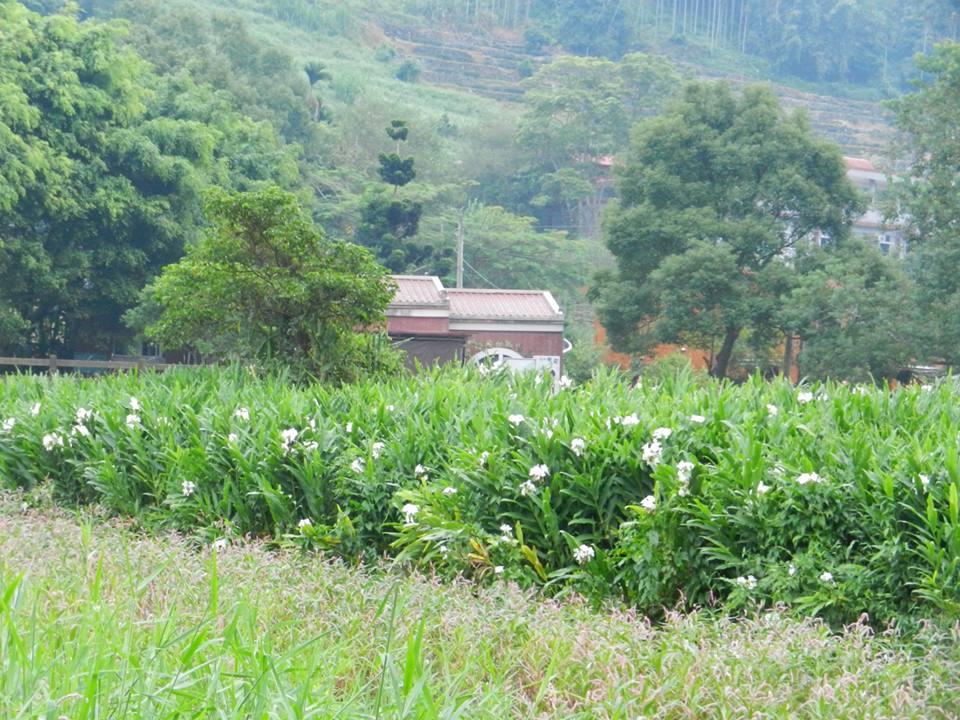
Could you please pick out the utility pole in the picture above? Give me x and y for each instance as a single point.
(460, 251)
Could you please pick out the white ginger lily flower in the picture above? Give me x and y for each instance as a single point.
(410, 514)
(662, 433)
(584, 554)
(539, 472)
(652, 453)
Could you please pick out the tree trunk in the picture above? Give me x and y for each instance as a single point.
(787, 355)
(726, 352)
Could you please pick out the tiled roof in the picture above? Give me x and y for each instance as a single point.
(853, 163)
(419, 290)
(503, 305)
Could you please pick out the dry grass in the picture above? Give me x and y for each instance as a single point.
(103, 623)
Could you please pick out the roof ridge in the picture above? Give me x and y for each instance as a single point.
(491, 291)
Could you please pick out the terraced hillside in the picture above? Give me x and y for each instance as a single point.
(488, 65)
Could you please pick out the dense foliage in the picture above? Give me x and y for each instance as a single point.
(836, 500)
(577, 114)
(714, 196)
(866, 42)
(930, 197)
(262, 283)
(95, 197)
(103, 164)
(277, 106)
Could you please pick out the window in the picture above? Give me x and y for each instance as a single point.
(884, 242)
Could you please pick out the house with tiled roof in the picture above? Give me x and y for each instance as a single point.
(437, 324)
(873, 227)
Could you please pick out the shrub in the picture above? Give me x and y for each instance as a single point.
(385, 52)
(264, 284)
(409, 71)
(835, 500)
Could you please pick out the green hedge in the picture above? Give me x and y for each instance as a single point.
(834, 500)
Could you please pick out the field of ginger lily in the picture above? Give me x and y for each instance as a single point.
(834, 501)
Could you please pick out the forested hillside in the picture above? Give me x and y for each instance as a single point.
(864, 42)
(399, 124)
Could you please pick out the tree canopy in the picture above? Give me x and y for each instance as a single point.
(930, 197)
(103, 162)
(577, 113)
(863, 42)
(847, 307)
(714, 197)
(262, 282)
(95, 196)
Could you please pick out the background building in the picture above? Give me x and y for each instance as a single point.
(435, 324)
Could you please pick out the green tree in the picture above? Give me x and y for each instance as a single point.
(264, 283)
(389, 224)
(94, 198)
(848, 309)
(715, 195)
(508, 251)
(578, 111)
(930, 197)
(409, 71)
(317, 72)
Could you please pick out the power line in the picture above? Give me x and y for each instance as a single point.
(482, 276)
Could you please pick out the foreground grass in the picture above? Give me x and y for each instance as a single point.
(98, 622)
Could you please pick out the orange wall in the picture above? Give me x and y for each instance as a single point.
(700, 359)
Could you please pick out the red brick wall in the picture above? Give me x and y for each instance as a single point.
(416, 325)
(527, 344)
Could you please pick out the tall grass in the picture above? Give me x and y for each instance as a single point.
(96, 622)
(839, 501)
